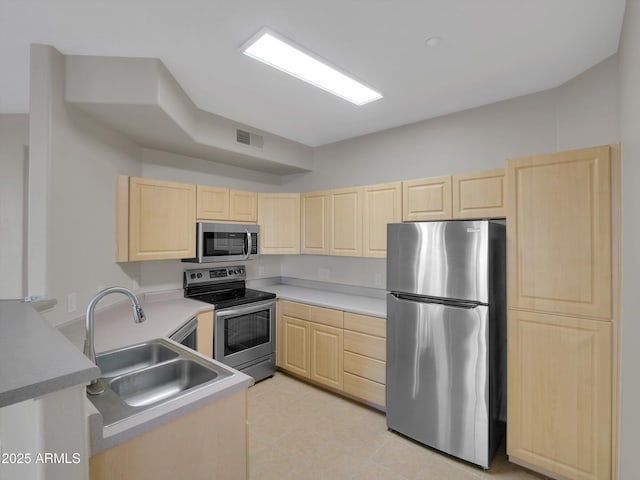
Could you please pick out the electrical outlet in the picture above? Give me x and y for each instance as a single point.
(324, 274)
(377, 280)
(72, 302)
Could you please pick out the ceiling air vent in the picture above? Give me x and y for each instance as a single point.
(248, 138)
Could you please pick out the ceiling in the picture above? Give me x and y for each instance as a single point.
(490, 50)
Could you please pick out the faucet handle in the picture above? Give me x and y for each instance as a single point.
(138, 314)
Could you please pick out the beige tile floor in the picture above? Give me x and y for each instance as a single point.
(297, 431)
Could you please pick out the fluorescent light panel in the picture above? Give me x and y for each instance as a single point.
(275, 52)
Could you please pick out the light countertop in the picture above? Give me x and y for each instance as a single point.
(35, 359)
(374, 307)
(114, 326)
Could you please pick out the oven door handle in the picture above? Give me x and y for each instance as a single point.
(244, 309)
(248, 241)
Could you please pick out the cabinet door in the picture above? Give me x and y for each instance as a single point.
(213, 203)
(382, 205)
(326, 355)
(279, 219)
(559, 232)
(314, 229)
(559, 400)
(345, 222)
(426, 199)
(295, 356)
(243, 206)
(162, 223)
(479, 195)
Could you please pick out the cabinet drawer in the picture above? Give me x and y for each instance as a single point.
(366, 345)
(365, 367)
(365, 389)
(365, 324)
(326, 316)
(297, 310)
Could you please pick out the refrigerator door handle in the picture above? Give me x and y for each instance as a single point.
(441, 301)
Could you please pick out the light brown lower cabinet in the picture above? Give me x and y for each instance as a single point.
(340, 350)
(326, 355)
(208, 443)
(559, 398)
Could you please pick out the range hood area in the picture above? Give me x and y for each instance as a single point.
(141, 99)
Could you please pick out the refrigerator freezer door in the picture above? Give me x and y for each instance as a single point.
(439, 259)
(437, 376)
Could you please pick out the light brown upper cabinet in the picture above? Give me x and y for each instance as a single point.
(279, 220)
(382, 205)
(345, 220)
(155, 219)
(212, 202)
(479, 195)
(215, 203)
(559, 232)
(314, 223)
(243, 206)
(426, 199)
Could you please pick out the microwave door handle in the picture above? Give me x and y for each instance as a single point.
(249, 244)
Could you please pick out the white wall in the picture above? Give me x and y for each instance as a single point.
(77, 160)
(14, 138)
(630, 135)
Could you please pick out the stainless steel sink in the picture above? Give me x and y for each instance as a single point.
(153, 384)
(133, 358)
(143, 376)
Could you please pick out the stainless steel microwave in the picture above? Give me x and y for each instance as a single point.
(222, 242)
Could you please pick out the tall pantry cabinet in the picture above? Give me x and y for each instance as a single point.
(562, 232)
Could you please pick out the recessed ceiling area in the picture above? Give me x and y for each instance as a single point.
(488, 51)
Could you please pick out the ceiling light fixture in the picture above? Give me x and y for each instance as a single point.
(282, 54)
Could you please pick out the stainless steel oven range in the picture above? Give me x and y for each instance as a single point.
(244, 330)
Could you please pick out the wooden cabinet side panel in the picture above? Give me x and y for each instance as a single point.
(296, 353)
(212, 203)
(326, 355)
(161, 219)
(243, 206)
(314, 223)
(122, 218)
(479, 195)
(345, 217)
(279, 220)
(559, 233)
(382, 205)
(426, 199)
(205, 334)
(559, 398)
(208, 443)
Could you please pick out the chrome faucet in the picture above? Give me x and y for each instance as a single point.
(94, 388)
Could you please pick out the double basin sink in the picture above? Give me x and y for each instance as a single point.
(142, 376)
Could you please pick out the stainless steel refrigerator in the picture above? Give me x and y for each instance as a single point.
(446, 335)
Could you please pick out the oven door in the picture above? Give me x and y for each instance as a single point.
(245, 333)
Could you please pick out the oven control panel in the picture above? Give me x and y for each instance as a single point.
(214, 275)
